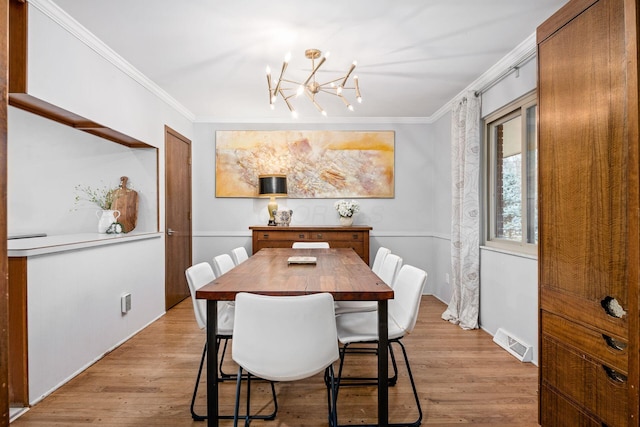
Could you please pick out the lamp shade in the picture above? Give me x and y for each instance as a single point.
(272, 185)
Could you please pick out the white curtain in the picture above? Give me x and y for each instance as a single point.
(465, 213)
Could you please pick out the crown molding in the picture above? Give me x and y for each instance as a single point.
(73, 27)
(518, 56)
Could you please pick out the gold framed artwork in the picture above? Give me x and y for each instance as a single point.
(318, 164)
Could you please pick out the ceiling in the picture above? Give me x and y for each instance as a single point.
(414, 56)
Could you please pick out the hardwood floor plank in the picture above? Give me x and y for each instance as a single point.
(463, 377)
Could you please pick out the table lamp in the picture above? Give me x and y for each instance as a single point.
(272, 186)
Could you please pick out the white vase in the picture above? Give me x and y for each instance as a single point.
(106, 217)
(346, 221)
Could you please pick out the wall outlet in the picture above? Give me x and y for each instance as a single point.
(446, 278)
(125, 303)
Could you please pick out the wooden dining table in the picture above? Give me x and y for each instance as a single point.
(340, 272)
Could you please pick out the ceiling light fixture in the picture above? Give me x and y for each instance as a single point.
(310, 87)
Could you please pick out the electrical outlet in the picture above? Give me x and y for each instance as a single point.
(125, 303)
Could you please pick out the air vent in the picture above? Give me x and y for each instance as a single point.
(522, 351)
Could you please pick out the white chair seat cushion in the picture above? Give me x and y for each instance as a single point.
(363, 327)
(343, 307)
(226, 313)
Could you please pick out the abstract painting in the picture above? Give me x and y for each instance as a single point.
(318, 164)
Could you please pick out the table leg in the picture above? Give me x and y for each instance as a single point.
(383, 367)
(212, 364)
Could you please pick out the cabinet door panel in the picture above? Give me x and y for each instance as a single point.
(583, 156)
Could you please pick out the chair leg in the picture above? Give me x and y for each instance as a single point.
(247, 416)
(362, 381)
(339, 380)
(195, 416)
(237, 403)
(413, 386)
(332, 397)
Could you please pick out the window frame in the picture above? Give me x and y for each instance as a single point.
(517, 108)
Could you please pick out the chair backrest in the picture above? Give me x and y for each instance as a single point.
(239, 255)
(390, 268)
(284, 338)
(379, 258)
(199, 275)
(404, 307)
(222, 264)
(310, 245)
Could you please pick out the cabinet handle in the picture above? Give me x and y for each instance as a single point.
(319, 236)
(300, 236)
(355, 236)
(614, 343)
(615, 375)
(169, 232)
(265, 235)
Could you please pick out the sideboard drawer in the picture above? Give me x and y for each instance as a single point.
(330, 236)
(356, 237)
(282, 235)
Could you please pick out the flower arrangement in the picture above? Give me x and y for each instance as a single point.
(346, 208)
(102, 196)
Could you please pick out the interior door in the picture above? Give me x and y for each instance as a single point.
(177, 216)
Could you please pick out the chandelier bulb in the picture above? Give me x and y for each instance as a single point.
(324, 113)
(359, 99)
(294, 114)
(350, 107)
(300, 90)
(268, 70)
(339, 90)
(287, 57)
(326, 54)
(272, 106)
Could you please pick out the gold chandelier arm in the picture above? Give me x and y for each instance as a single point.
(355, 82)
(284, 68)
(344, 81)
(324, 58)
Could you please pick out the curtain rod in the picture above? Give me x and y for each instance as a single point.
(513, 68)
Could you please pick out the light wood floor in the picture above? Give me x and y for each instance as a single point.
(462, 377)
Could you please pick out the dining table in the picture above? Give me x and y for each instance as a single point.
(290, 272)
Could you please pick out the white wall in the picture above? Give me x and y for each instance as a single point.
(401, 223)
(74, 296)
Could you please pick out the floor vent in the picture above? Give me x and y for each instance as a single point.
(522, 351)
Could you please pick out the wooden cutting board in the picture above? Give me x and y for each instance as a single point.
(125, 200)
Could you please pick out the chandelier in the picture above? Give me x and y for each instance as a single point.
(311, 87)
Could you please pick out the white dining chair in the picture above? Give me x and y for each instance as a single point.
(379, 258)
(388, 272)
(222, 264)
(310, 245)
(362, 327)
(199, 275)
(285, 338)
(239, 255)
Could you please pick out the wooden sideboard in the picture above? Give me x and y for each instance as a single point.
(356, 237)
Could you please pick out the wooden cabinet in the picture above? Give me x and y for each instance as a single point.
(356, 237)
(588, 215)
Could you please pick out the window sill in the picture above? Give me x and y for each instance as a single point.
(509, 252)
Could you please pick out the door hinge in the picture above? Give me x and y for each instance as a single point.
(189, 215)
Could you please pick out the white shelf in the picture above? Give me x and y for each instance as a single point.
(68, 242)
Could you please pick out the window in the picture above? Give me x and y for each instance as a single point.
(511, 150)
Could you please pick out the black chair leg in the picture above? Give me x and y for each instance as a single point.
(197, 417)
(247, 417)
(339, 383)
(362, 381)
